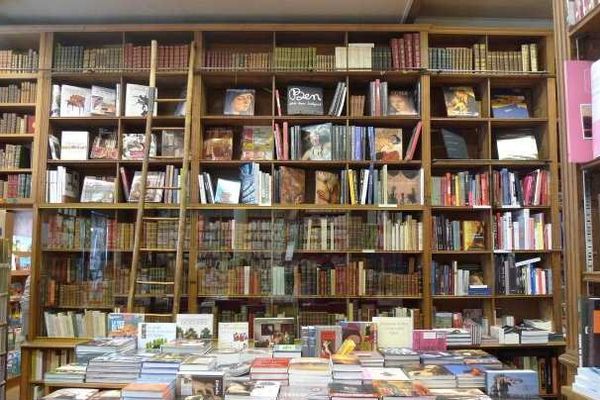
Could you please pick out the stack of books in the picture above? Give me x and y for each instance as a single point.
(457, 337)
(468, 376)
(270, 369)
(287, 351)
(476, 357)
(187, 346)
(211, 381)
(139, 390)
(71, 393)
(432, 376)
(369, 358)
(346, 391)
(400, 357)
(162, 366)
(114, 368)
(226, 355)
(66, 373)
(308, 392)
(101, 346)
(107, 395)
(346, 368)
(252, 390)
(372, 374)
(440, 358)
(309, 371)
(531, 335)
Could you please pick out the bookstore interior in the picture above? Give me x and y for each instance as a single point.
(290, 211)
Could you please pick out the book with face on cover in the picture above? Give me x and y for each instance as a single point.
(401, 102)
(461, 102)
(388, 144)
(292, 185)
(473, 235)
(218, 144)
(316, 142)
(239, 102)
(327, 187)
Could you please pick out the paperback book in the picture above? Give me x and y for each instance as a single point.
(327, 187)
(304, 100)
(74, 145)
(257, 143)
(271, 331)
(316, 142)
(98, 190)
(124, 324)
(133, 146)
(104, 101)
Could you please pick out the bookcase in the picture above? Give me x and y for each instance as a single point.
(301, 251)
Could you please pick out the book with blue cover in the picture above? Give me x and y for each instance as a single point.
(513, 383)
(509, 106)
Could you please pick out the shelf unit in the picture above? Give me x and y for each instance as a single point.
(209, 87)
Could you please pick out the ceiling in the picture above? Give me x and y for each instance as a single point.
(328, 11)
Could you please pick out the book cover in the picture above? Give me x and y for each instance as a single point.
(316, 142)
(401, 102)
(74, 145)
(517, 144)
(338, 389)
(104, 146)
(227, 192)
(595, 83)
(455, 144)
(361, 333)
(96, 190)
(133, 146)
(512, 383)
(75, 101)
(578, 93)
(171, 144)
(268, 332)
(104, 101)
(257, 143)
(152, 335)
(218, 144)
(459, 394)
(404, 187)
(249, 191)
(239, 102)
(388, 144)
(388, 388)
(54, 147)
(55, 105)
(123, 324)
(394, 331)
(327, 187)
(509, 106)
(292, 185)
(428, 372)
(137, 100)
(194, 326)
(71, 393)
(461, 102)
(209, 386)
(329, 339)
(304, 100)
(473, 235)
(233, 334)
(590, 332)
(154, 182)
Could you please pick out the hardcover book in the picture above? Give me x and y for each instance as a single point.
(218, 144)
(388, 144)
(327, 187)
(152, 335)
(405, 187)
(194, 326)
(227, 192)
(137, 100)
(75, 101)
(233, 334)
(328, 340)
(133, 146)
(512, 383)
(292, 185)
(401, 102)
(239, 102)
(461, 102)
(124, 324)
(413, 142)
(578, 92)
(361, 332)
(393, 331)
(171, 143)
(271, 331)
(455, 144)
(155, 182)
(519, 144)
(248, 190)
(257, 143)
(96, 190)
(210, 386)
(509, 106)
(104, 101)
(473, 235)
(316, 142)
(304, 100)
(74, 145)
(104, 146)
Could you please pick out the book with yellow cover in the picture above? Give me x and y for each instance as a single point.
(473, 235)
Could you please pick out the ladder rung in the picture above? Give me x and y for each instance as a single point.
(155, 283)
(169, 100)
(160, 128)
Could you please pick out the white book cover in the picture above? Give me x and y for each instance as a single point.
(97, 190)
(55, 106)
(151, 335)
(54, 144)
(133, 146)
(137, 100)
(227, 192)
(394, 331)
(75, 101)
(233, 334)
(104, 101)
(74, 145)
(194, 326)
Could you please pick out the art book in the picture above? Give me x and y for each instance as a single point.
(292, 185)
(104, 101)
(388, 144)
(327, 187)
(257, 143)
(393, 331)
(155, 180)
(271, 331)
(517, 144)
(405, 186)
(210, 386)
(328, 340)
(512, 383)
(304, 100)
(194, 326)
(218, 144)
(401, 102)
(124, 324)
(233, 334)
(249, 173)
(104, 146)
(152, 335)
(74, 145)
(75, 101)
(316, 142)
(137, 100)
(361, 332)
(133, 146)
(461, 102)
(509, 106)
(578, 92)
(239, 102)
(227, 192)
(473, 235)
(97, 190)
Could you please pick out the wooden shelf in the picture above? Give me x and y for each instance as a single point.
(15, 171)
(591, 277)
(306, 296)
(17, 106)
(80, 385)
(22, 272)
(51, 343)
(588, 24)
(310, 163)
(16, 137)
(14, 76)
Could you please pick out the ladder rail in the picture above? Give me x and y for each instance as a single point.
(135, 259)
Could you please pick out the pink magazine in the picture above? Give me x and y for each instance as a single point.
(578, 90)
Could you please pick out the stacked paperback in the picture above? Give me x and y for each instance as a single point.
(346, 368)
(432, 376)
(141, 390)
(270, 369)
(309, 371)
(66, 373)
(162, 366)
(102, 346)
(400, 357)
(114, 368)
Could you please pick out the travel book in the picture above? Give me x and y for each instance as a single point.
(152, 335)
(388, 144)
(74, 145)
(292, 185)
(578, 102)
(133, 146)
(268, 332)
(316, 142)
(75, 101)
(327, 187)
(233, 334)
(124, 324)
(239, 102)
(104, 101)
(137, 100)
(257, 143)
(194, 326)
(461, 102)
(304, 100)
(218, 144)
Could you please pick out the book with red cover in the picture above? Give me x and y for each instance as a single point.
(270, 365)
(578, 92)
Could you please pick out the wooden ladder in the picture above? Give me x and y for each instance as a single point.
(182, 188)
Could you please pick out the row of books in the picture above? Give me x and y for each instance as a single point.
(522, 277)
(511, 188)
(69, 324)
(577, 10)
(522, 230)
(394, 102)
(17, 123)
(457, 279)
(402, 53)
(114, 57)
(23, 93)
(230, 59)
(480, 59)
(463, 188)
(14, 156)
(15, 186)
(458, 235)
(163, 234)
(90, 294)
(19, 60)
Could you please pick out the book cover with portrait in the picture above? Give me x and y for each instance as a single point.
(239, 102)
(401, 102)
(388, 144)
(461, 102)
(316, 142)
(327, 187)
(293, 183)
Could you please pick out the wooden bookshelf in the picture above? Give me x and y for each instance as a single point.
(208, 95)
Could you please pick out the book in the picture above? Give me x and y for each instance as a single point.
(362, 333)
(389, 389)
(401, 102)
(227, 192)
(233, 334)
(194, 326)
(54, 147)
(133, 146)
(327, 187)
(137, 100)
(257, 143)
(455, 144)
(209, 385)
(292, 185)
(316, 142)
(74, 145)
(155, 182)
(218, 144)
(55, 104)
(268, 332)
(304, 100)
(103, 101)
(509, 106)
(461, 102)
(414, 141)
(517, 145)
(239, 102)
(104, 145)
(578, 103)
(590, 332)
(96, 190)
(71, 394)
(512, 383)
(171, 143)
(405, 186)
(473, 235)
(124, 324)
(255, 390)
(328, 340)
(152, 335)
(75, 101)
(388, 144)
(393, 331)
